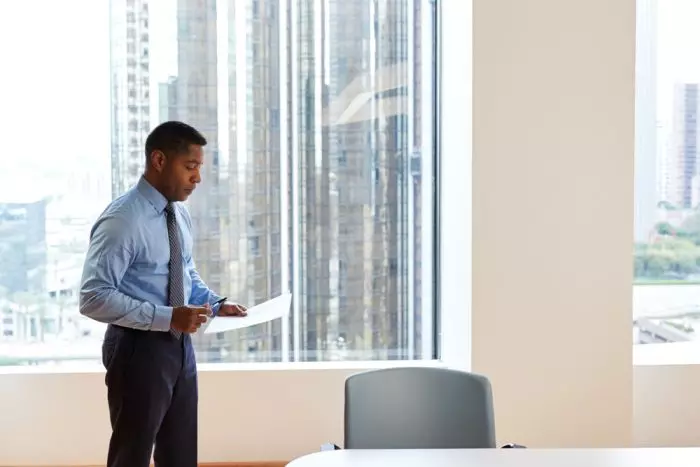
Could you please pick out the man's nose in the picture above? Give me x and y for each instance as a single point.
(197, 177)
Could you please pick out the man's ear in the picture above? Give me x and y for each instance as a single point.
(158, 160)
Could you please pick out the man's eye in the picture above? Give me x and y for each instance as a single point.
(191, 166)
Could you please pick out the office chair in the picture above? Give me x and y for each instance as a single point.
(418, 408)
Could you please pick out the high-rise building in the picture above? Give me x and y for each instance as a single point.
(352, 153)
(23, 249)
(236, 210)
(684, 187)
(312, 181)
(194, 99)
(23, 260)
(254, 164)
(314, 226)
(167, 99)
(130, 90)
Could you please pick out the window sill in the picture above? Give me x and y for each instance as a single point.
(89, 368)
(678, 353)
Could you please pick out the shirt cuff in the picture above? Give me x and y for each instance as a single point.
(213, 298)
(162, 317)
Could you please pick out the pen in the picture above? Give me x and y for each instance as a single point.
(215, 307)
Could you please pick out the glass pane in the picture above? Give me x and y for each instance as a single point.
(318, 176)
(667, 174)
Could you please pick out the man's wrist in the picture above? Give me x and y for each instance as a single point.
(213, 298)
(162, 316)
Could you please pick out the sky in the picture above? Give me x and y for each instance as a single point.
(55, 107)
(678, 51)
(54, 90)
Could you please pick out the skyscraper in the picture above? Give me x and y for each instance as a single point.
(352, 152)
(253, 167)
(312, 180)
(236, 210)
(23, 250)
(130, 90)
(684, 182)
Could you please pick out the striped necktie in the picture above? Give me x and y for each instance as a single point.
(176, 289)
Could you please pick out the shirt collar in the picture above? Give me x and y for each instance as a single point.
(153, 196)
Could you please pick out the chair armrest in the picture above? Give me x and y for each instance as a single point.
(330, 447)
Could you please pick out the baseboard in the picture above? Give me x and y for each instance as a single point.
(212, 464)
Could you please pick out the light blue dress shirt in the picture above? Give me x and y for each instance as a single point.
(125, 276)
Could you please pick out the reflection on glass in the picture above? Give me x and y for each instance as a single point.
(319, 174)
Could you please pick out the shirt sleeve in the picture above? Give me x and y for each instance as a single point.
(201, 294)
(110, 254)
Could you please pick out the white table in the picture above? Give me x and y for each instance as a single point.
(664, 457)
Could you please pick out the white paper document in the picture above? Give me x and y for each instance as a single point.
(278, 307)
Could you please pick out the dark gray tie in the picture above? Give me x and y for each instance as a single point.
(176, 289)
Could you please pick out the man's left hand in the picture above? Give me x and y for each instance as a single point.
(232, 309)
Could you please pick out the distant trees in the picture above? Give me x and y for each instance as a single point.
(674, 253)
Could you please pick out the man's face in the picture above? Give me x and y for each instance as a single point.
(180, 173)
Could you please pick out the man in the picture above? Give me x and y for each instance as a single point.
(140, 278)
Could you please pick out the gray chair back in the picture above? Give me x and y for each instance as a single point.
(418, 408)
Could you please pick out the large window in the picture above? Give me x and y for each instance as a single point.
(667, 175)
(320, 174)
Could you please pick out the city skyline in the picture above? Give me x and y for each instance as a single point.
(319, 179)
(314, 179)
(675, 39)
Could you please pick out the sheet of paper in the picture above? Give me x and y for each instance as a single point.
(278, 307)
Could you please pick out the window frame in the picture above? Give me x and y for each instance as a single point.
(454, 204)
(451, 140)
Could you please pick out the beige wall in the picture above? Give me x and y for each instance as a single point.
(61, 419)
(552, 239)
(552, 220)
(667, 405)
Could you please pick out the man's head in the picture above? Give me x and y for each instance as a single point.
(174, 156)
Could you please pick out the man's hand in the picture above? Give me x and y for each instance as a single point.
(189, 318)
(230, 309)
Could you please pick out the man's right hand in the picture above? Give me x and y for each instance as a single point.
(189, 318)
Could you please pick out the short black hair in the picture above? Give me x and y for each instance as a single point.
(173, 138)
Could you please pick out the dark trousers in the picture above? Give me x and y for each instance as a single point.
(152, 395)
